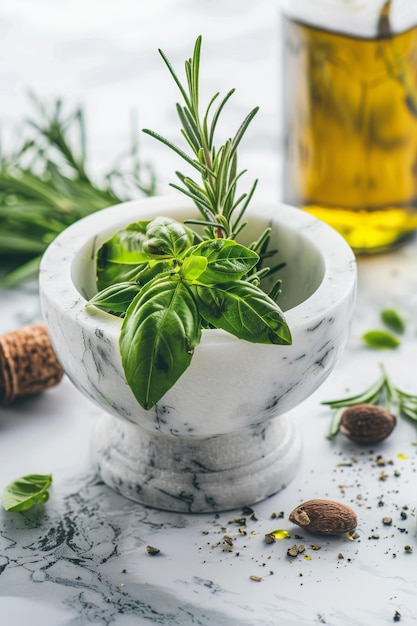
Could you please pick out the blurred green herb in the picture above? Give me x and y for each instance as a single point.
(382, 393)
(45, 186)
(393, 320)
(22, 494)
(381, 340)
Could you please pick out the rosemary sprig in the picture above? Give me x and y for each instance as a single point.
(215, 196)
(382, 393)
(45, 187)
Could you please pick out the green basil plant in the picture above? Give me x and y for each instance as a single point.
(168, 282)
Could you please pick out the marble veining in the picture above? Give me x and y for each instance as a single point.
(67, 552)
(211, 473)
(84, 553)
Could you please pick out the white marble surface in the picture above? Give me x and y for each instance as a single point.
(82, 560)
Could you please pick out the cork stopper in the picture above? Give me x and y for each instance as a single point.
(28, 364)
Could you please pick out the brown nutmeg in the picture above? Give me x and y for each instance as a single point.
(367, 423)
(324, 517)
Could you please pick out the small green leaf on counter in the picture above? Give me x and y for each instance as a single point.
(381, 340)
(23, 493)
(393, 320)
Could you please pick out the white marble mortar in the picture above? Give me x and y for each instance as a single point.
(219, 438)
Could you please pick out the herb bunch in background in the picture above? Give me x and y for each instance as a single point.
(45, 186)
(169, 282)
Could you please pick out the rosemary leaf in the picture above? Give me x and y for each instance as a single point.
(335, 423)
(365, 397)
(409, 412)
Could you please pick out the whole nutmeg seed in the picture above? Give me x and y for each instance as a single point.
(324, 517)
(367, 423)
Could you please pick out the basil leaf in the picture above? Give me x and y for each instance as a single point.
(25, 492)
(158, 336)
(167, 238)
(119, 257)
(115, 298)
(151, 270)
(381, 340)
(243, 310)
(394, 320)
(226, 260)
(193, 266)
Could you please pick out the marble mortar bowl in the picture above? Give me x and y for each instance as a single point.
(219, 439)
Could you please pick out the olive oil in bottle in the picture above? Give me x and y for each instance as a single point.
(350, 129)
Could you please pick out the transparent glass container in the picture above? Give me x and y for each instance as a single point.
(350, 116)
